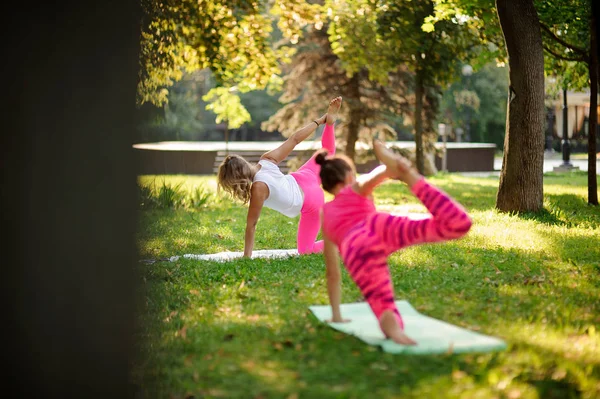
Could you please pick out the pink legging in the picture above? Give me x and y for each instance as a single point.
(366, 247)
(309, 181)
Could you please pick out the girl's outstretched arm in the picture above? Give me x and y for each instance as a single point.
(280, 153)
(259, 193)
(365, 184)
(334, 280)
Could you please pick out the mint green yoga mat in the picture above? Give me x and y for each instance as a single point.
(433, 336)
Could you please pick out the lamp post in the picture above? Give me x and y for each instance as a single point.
(566, 146)
(458, 132)
(442, 132)
(566, 166)
(467, 71)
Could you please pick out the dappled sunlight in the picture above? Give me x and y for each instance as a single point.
(517, 235)
(530, 280)
(579, 346)
(494, 229)
(413, 257)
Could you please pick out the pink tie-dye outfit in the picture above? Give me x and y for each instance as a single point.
(366, 237)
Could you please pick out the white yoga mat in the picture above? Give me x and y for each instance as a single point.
(225, 256)
(433, 336)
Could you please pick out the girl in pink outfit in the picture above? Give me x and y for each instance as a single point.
(298, 193)
(365, 238)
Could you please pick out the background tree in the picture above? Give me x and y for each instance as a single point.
(384, 36)
(316, 74)
(570, 43)
(485, 98)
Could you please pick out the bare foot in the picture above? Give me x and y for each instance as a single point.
(392, 329)
(396, 164)
(334, 107)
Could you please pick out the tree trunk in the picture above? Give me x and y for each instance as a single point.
(227, 137)
(418, 119)
(593, 117)
(69, 205)
(355, 112)
(521, 179)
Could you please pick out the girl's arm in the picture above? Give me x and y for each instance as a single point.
(258, 194)
(334, 280)
(280, 153)
(365, 184)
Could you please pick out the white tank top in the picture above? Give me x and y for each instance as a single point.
(285, 195)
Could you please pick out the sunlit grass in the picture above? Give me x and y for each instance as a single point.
(242, 328)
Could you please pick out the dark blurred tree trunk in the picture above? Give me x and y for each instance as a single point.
(68, 198)
(521, 179)
(593, 116)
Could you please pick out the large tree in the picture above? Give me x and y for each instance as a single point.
(521, 179)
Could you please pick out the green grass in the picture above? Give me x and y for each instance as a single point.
(242, 329)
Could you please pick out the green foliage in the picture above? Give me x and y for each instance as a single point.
(227, 106)
(231, 38)
(242, 328)
(385, 37)
(185, 117)
(566, 36)
(484, 96)
(381, 36)
(355, 38)
(480, 17)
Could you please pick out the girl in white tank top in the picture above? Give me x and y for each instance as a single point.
(297, 193)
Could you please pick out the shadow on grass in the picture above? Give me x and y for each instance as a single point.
(259, 339)
(439, 277)
(567, 210)
(165, 233)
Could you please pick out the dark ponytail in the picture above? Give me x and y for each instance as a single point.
(333, 170)
(321, 158)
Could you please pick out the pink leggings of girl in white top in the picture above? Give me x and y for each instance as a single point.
(307, 177)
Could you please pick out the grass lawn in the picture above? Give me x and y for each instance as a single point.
(242, 329)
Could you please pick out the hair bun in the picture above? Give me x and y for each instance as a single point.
(321, 158)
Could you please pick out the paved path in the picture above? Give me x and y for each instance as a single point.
(550, 163)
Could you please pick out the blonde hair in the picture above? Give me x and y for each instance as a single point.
(235, 177)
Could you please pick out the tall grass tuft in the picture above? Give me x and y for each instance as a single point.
(170, 195)
(173, 196)
(198, 197)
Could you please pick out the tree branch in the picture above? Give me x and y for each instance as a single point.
(562, 57)
(576, 49)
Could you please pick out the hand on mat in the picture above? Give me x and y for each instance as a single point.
(338, 320)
